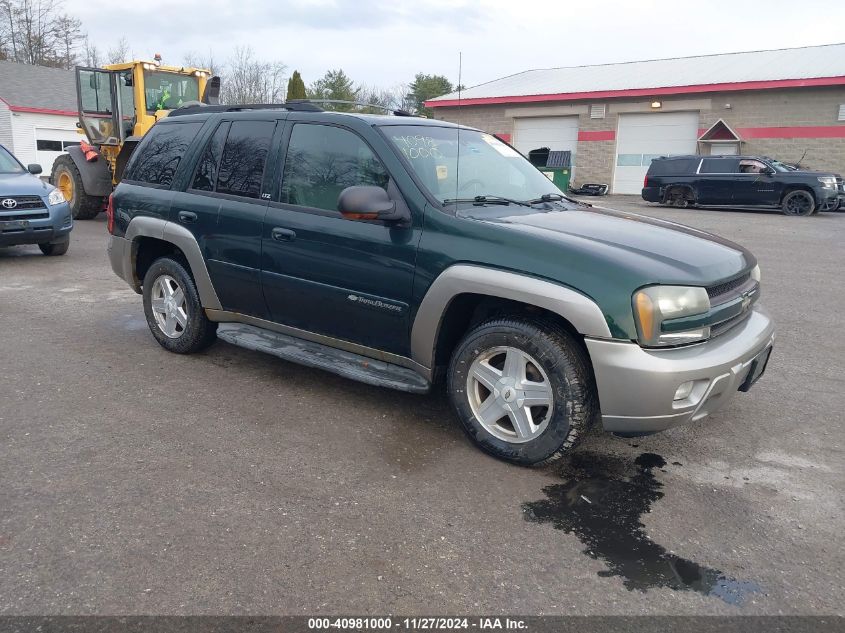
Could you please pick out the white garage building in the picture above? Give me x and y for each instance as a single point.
(616, 118)
(37, 112)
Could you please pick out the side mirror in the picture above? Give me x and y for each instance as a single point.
(34, 169)
(768, 171)
(368, 203)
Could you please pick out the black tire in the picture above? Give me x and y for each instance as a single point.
(82, 206)
(198, 332)
(798, 202)
(566, 367)
(54, 249)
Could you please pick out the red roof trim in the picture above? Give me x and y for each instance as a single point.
(15, 108)
(646, 92)
(596, 135)
(804, 131)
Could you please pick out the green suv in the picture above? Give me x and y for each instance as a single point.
(406, 253)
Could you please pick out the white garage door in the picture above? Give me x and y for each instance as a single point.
(558, 133)
(642, 137)
(52, 142)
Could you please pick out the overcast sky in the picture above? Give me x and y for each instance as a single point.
(383, 43)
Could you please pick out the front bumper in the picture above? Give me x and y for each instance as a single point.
(637, 386)
(28, 227)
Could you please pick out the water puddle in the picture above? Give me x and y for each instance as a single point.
(601, 501)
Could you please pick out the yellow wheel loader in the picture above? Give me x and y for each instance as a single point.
(117, 105)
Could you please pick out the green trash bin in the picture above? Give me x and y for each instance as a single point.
(558, 175)
(557, 167)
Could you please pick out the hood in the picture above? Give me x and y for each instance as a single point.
(809, 172)
(23, 185)
(655, 251)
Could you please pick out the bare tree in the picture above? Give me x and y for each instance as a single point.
(249, 80)
(206, 62)
(93, 57)
(68, 36)
(38, 32)
(119, 52)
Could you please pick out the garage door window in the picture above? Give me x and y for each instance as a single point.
(43, 145)
(629, 160)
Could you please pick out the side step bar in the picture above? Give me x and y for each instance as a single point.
(342, 363)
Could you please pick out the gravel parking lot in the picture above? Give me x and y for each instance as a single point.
(138, 481)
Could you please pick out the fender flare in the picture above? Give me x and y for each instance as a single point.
(182, 239)
(96, 176)
(581, 311)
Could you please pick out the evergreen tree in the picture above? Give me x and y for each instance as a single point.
(296, 87)
(427, 87)
(335, 84)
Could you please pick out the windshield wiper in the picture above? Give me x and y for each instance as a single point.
(548, 197)
(486, 200)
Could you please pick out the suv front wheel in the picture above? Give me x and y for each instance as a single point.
(173, 309)
(522, 389)
(798, 202)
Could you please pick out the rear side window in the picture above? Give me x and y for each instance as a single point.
(322, 161)
(719, 166)
(244, 157)
(205, 177)
(673, 167)
(158, 156)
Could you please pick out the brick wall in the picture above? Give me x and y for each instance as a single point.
(750, 109)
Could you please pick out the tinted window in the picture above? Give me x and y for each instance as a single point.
(719, 166)
(244, 156)
(158, 156)
(322, 161)
(678, 167)
(206, 175)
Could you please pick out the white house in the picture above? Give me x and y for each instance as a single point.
(38, 112)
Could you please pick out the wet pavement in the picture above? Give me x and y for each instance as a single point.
(602, 502)
(137, 481)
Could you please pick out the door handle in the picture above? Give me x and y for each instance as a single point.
(283, 235)
(187, 217)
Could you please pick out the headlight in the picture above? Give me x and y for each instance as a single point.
(657, 304)
(55, 197)
(828, 182)
(755, 274)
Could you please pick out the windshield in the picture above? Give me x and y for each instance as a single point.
(487, 167)
(8, 164)
(167, 91)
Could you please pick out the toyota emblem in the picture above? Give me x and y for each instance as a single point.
(9, 203)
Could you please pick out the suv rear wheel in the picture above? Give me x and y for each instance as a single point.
(173, 309)
(522, 389)
(798, 202)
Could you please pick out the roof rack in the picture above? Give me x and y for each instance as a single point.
(294, 105)
(199, 108)
(362, 104)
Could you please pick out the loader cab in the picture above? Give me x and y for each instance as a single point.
(125, 100)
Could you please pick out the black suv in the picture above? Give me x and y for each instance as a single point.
(741, 181)
(354, 243)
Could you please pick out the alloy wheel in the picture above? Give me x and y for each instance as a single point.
(510, 394)
(169, 306)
